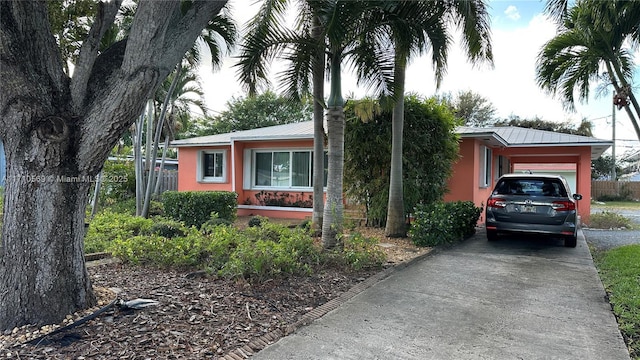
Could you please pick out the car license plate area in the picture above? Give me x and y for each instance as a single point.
(528, 209)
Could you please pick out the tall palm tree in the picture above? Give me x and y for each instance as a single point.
(414, 27)
(341, 25)
(593, 36)
(267, 38)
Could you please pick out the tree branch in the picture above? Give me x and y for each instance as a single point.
(125, 77)
(30, 63)
(89, 51)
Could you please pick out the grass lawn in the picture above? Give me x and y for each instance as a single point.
(619, 270)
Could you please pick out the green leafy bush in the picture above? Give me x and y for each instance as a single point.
(214, 221)
(255, 253)
(168, 228)
(118, 182)
(256, 221)
(271, 249)
(109, 226)
(443, 223)
(181, 251)
(361, 252)
(194, 208)
(609, 220)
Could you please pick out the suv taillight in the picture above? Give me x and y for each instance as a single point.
(564, 205)
(496, 203)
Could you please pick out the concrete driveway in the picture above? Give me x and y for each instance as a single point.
(511, 299)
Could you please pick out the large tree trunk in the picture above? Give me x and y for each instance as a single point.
(42, 272)
(333, 209)
(58, 132)
(395, 210)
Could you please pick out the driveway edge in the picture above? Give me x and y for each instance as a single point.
(272, 337)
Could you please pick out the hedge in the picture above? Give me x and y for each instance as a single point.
(194, 208)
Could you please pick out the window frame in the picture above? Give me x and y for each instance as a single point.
(201, 171)
(250, 180)
(486, 160)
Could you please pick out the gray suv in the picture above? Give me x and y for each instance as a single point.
(533, 203)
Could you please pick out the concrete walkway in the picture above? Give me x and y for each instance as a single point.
(510, 299)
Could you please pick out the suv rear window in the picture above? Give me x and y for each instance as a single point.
(531, 187)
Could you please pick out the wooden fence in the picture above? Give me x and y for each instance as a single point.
(629, 189)
(168, 180)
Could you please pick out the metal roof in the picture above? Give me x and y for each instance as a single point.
(507, 136)
(301, 130)
(512, 136)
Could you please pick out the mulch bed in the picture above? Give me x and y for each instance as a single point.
(198, 316)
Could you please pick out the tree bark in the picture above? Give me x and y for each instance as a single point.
(333, 209)
(396, 226)
(42, 272)
(57, 140)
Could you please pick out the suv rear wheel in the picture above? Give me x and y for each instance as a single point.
(570, 241)
(492, 235)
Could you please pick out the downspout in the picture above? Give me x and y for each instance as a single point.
(233, 165)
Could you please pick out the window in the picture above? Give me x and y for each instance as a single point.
(282, 169)
(485, 166)
(211, 166)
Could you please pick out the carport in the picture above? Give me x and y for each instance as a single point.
(487, 153)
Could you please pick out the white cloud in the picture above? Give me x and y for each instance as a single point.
(512, 13)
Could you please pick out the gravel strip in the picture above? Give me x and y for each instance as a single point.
(608, 239)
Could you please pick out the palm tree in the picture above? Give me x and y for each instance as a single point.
(592, 36)
(342, 26)
(413, 28)
(268, 38)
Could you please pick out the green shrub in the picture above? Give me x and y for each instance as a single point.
(194, 208)
(124, 207)
(609, 220)
(361, 252)
(109, 226)
(168, 228)
(213, 222)
(222, 242)
(284, 251)
(118, 182)
(181, 251)
(256, 221)
(443, 223)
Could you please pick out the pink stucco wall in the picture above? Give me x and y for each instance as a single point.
(188, 181)
(463, 185)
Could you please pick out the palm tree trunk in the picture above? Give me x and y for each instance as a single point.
(137, 159)
(318, 128)
(611, 67)
(333, 209)
(395, 210)
(96, 195)
(156, 140)
(161, 170)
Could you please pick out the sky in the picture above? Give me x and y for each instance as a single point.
(519, 30)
